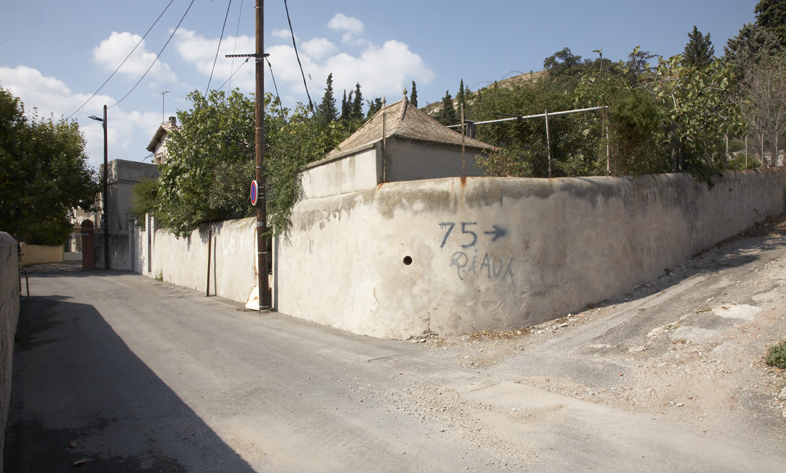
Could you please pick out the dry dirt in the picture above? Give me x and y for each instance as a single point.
(688, 346)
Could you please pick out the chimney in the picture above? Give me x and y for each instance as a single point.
(173, 121)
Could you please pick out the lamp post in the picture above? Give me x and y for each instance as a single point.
(105, 203)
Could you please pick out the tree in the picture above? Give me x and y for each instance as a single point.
(346, 104)
(447, 114)
(764, 87)
(562, 62)
(413, 96)
(357, 105)
(373, 106)
(461, 99)
(753, 45)
(326, 110)
(211, 162)
(771, 15)
(43, 174)
(699, 52)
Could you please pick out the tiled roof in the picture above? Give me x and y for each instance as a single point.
(404, 120)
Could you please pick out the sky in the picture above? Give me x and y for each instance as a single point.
(55, 54)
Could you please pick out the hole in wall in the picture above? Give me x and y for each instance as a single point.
(407, 260)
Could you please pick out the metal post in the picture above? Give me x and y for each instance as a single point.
(463, 147)
(548, 139)
(262, 253)
(105, 216)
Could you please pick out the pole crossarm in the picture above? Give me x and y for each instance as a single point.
(539, 115)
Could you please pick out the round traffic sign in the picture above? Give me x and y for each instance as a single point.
(254, 192)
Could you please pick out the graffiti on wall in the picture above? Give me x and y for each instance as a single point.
(468, 261)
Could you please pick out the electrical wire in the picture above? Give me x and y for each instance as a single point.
(310, 103)
(280, 107)
(124, 61)
(159, 55)
(233, 74)
(221, 38)
(234, 49)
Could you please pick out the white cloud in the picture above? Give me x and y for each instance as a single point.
(350, 26)
(381, 70)
(201, 53)
(112, 51)
(283, 34)
(128, 133)
(319, 48)
(342, 22)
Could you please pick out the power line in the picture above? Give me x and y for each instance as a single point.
(233, 74)
(310, 103)
(157, 56)
(221, 38)
(124, 61)
(281, 107)
(234, 48)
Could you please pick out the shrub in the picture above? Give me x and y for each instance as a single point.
(776, 355)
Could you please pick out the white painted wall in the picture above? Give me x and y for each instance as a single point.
(184, 261)
(501, 253)
(351, 173)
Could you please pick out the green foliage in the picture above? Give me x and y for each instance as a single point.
(701, 112)
(413, 96)
(326, 110)
(43, 174)
(144, 198)
(771, 15)
(211, 162)
(776, 356)
(373, 106)
(447, 114)
(753, 45)
(699, 52)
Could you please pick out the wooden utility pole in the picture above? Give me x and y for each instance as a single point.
(262, 254)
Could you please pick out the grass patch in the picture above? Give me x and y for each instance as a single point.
(776, 356)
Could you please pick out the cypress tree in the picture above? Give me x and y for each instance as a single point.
(699, 52)
(356, 110)
(413, 96)
(327, 109)
(447, 115)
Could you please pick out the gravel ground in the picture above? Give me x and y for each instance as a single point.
(688, 347)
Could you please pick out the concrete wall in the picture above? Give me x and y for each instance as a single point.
(123, 176)
(362, 170)
(184, 261)
(35, 254)
(420, 160)
(405, 160)
(456, 257)
(9, 316)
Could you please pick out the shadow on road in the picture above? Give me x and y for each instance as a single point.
(82, 398)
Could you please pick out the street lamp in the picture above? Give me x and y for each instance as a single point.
(105, 204)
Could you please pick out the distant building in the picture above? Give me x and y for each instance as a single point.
(399, 143)
(157, 145)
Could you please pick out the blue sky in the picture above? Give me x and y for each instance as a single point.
(54, 54)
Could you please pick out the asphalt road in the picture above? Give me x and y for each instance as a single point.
(115, 372)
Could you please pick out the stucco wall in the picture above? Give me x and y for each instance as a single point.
(35, 254)
(362, 170)
(420, 160)
(9, 316)
(184, 261)
(501, 253)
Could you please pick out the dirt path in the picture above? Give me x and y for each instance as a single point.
(687, 347)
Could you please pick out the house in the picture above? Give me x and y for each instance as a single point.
(399, 143)
(157, 145)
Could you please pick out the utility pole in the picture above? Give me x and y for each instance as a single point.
(263, 285)
(262, 253)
